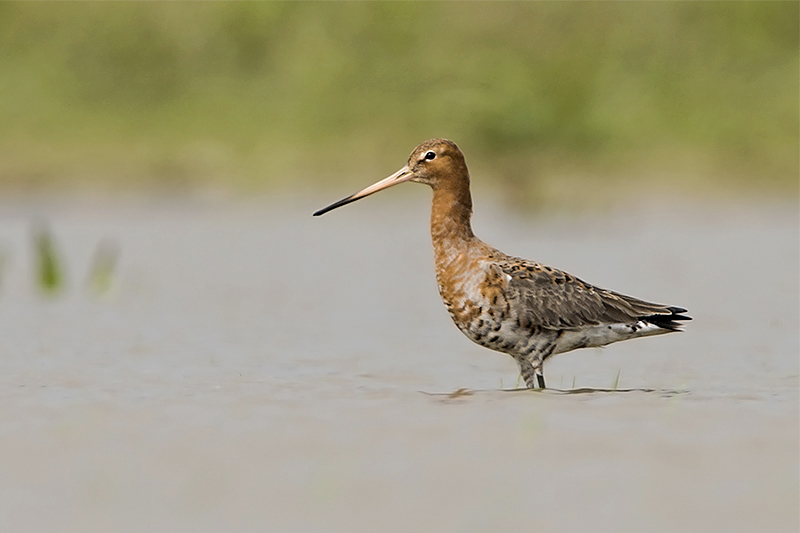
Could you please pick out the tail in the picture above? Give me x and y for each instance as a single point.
(669, 321)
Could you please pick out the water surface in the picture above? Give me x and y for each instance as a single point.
(253, 368)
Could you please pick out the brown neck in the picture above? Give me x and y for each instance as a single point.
(451, 213)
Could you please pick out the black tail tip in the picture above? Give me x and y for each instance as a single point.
(671, 322)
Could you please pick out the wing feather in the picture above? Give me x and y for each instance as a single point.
(550, 298)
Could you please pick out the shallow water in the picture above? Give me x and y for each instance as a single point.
(253, 368)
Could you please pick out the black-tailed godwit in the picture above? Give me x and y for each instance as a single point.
(515, 306)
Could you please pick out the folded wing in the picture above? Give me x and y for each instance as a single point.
(549, 298)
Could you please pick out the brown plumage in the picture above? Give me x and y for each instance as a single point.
(519, 307)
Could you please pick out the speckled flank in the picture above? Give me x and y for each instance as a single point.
(515, 306)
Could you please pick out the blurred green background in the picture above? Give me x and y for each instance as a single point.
(550, 101)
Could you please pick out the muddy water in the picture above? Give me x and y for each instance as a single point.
(255, 369)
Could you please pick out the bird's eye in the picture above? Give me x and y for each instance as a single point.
(430, 155)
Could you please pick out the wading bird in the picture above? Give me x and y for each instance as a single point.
(508, 304)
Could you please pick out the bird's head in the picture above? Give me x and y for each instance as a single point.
(437, 162)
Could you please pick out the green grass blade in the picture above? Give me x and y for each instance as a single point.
(49, 267)
(103, 267)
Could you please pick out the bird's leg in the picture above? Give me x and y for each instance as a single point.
(531, 373)
(537, 358)
(537, 363)
(527, 371)
(540, 378)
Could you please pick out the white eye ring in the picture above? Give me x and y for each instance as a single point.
(430, 155)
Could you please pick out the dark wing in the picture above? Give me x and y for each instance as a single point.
(550, 298)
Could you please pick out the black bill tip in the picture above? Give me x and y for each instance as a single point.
(334, 205)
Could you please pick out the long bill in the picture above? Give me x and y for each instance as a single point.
(404, 174)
